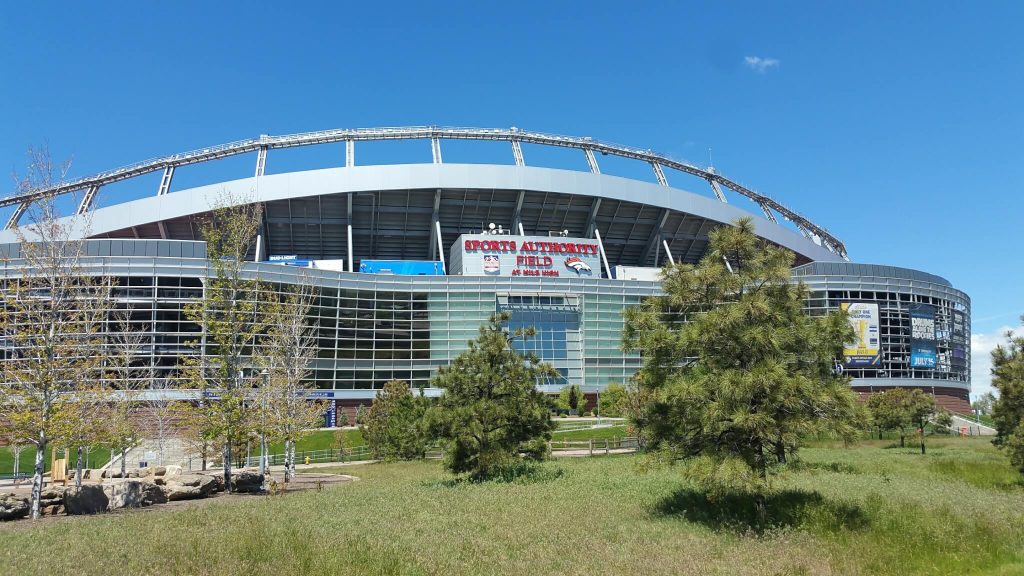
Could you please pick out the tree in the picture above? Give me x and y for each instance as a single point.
(900, 408)
(984, 403)
(128, 372)
(51, 323)
(231, 314)
(889, 411)
(737, 370)
(288, 350)
(395, 426)
(921, 408)
(491, 410)
(571, 397)
(1008, 410)
(613, 401)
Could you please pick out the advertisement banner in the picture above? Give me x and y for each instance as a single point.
(864, 349)
(922, 354)
(542, 256)
(922, 322)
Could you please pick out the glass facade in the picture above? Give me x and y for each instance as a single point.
(373, 328)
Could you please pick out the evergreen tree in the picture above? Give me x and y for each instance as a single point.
(395, 427)
(571, 398)
(1008, 410)
(491, 411)
(736, 370)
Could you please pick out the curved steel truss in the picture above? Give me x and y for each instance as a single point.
(435, 134)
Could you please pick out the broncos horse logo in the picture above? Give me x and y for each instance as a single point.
(578, 265)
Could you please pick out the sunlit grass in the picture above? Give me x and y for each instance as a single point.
(864, 510)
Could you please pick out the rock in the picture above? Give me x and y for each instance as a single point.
(89, 499)
(159, 471)
(177, 492)
(247, 482)
(53, 493)
(144, 473)
(55, 510)
(153, 494)
(172, 470)
(13, 507)
(134, 494)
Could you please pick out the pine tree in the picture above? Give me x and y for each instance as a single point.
(1008, 410)
(491, 411)
(737, 371)
(395, 426)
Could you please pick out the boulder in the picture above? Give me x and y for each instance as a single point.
(159, 471)
(89, 499)
(144, 473)
(13, 507)
(55, 510)
(177, 492)
(134, 494)
(247, 482)
(153, 494)
(172, 470)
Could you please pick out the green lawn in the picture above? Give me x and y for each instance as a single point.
(97, 457)
(322, 440)
(872, 509)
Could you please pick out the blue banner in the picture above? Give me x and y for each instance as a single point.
(922, 354)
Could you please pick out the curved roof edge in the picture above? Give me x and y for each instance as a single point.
(878, 270)
(290, 185)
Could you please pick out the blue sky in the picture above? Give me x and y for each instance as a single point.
(898, 126)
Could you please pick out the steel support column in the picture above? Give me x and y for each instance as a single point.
(659, 174)
(604, 257)
(165, 180)
(261, 161)
(592, 218)
(12, 222)
(517, 222)
(435, 229)
(86, 204)
(435, 149)
(669, 252)
(440, 247)
(717, 190)
(348, 244)
(767, 212)
(591, 161)
(655, 237)
(350, 153)
(517, 153)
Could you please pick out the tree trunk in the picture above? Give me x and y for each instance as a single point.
(761, 507)
(922, 437)
(780, 452)
(227, 466)
(203, 455)
(124, 462)
(37, 476)
(902, 444)
(78, 469)
(879, 432)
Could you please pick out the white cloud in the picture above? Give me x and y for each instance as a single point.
(982, 346)
(759, 64)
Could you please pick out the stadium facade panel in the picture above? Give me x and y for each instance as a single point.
(579, 247)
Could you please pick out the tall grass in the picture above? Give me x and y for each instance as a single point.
(864, 510)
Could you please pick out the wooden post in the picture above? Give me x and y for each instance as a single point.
(606, 451)
(591, 443)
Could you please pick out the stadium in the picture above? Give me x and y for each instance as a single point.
(409, 259)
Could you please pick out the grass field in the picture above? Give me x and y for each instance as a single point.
(97, 457)
(873, 509)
